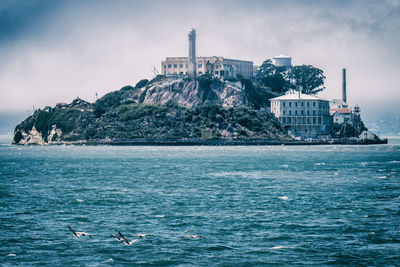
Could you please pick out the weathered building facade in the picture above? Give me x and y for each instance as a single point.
(191, 65)
(305, 116)
(219, 67)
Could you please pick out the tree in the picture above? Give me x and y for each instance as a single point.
(308, 79)
(272, 76)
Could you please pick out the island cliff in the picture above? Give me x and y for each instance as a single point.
(160, 110)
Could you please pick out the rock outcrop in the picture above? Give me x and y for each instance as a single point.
(162, 109)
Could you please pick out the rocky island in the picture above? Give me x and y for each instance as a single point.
(161, 111)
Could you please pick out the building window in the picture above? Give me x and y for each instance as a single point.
(283, 112)
(181, 66)
(290, 112)
(302, 112)
(175, 66)
(302, 104)
(313, 120)
(284, 103)
(289, 120)
(308, 112)
(290, 104)
(200, 65)
(313, 103)
(295, 112)
(165, 66)
(308, 104)
(295, 104)
(200, 72)
(284, 120)
(313, 112)
(169, 66)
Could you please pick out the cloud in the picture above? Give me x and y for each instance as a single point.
(55, 52)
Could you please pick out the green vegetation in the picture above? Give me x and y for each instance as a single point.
(122, 115)
(156, 122)
(271, 76)
(142, 83)
(205, 82)
(136, 111)
(257, 96)
(308, 79)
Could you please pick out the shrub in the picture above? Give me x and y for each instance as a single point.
(136, 111)
(142, 83)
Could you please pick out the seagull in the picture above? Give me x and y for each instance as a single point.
(119, 239)
(141, 235)
(126, 239)
(78, 234)
(192, 236)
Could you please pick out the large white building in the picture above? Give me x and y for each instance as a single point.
(219, 67)
(305, 116)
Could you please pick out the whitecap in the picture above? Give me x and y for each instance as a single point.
(280, 247)
(60, 211)
(283, 198)
(336, 173)
(79, 200)
(319, 163)
(124, 190)
(382, 177)
(12, 255)
(242, 174)
(159, 216)
(285, 166)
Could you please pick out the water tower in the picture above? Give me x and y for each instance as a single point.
(282, 61)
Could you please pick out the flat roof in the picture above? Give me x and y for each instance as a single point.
(295, 96)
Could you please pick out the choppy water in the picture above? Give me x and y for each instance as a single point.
(201, 206)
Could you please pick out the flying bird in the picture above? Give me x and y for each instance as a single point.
(78, 234)
(119, 239)
(126, 239)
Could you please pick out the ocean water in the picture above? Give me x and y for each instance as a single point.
(200, 206)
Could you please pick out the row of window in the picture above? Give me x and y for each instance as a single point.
(301, 103)
(200, 72)
(301, 112)
(180, 66)
(301, 120)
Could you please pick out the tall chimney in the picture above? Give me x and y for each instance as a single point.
(192, 53)
(344, 87)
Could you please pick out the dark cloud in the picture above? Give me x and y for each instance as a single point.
(19, 17)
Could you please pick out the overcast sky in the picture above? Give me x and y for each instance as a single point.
(53, 51)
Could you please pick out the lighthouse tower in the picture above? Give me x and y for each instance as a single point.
(192, 53)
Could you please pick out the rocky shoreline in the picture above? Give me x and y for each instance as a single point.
(200, 142)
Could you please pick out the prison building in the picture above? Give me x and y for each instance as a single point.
(219, 67)
(303, 115)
